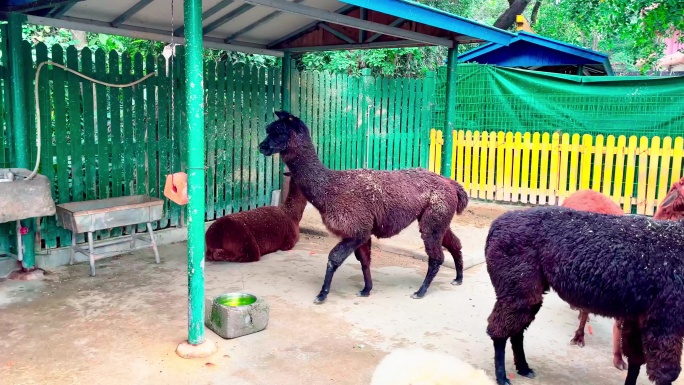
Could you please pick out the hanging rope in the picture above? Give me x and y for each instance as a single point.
(37, 100)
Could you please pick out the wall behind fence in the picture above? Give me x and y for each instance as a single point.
(100, 142)
(545, 169)
(380, 123)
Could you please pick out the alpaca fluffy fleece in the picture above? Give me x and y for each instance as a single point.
(421, 367)
(356, 204)
(248, 235)
(628, 267)
(595, 202)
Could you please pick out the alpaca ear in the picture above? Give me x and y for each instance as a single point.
(671, 198)
(283, 114)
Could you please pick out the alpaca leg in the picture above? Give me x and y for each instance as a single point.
(453, 244)
(337, 256)
(363, 254)
(663, 352)
(500, 361)
(617, 347)
(433, 248)
(633, 350)
(579, 334)
(521, 365)
(433, 225)
(505, 321)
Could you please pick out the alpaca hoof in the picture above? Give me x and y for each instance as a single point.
(619, 363)
(578, 340)
(457, 281)
(363, 293)
(319, 299)
(505, 381)
(529, 373)
(417, 295)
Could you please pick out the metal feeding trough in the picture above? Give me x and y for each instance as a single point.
(102, 214)
(233, 315)
(22, 198)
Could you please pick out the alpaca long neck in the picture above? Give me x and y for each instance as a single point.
(294, 204)
(308, 171)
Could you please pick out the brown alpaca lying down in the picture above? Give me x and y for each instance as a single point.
(247, 235)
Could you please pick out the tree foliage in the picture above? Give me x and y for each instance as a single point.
(64, 37)
(641, 23)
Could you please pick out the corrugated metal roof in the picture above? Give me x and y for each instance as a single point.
(273, 26)
(528, 50)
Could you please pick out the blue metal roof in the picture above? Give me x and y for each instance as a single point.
(531, 50)
(420, 13)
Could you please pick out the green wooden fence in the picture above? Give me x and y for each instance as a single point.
(100, 142)
(380, 123)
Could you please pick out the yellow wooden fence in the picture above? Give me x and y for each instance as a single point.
(544, 169)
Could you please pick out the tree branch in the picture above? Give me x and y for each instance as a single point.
(535, 13)
(507, 19)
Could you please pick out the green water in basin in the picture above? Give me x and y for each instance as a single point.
(235, 299)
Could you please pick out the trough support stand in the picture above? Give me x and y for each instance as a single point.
(450, 109)
(195, 346)
(18, 99)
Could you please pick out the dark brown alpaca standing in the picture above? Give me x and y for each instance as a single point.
(356, 204)
(671, 208)
(625, 267)
(248, 235)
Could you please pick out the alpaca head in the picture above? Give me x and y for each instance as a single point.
(672, 206)
(281, 134)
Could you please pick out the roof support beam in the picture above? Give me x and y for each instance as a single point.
(59, 12)
(257, 23)
(343, 10)
(146, 34)
(130, 12)
(226, 18)
(396, 23)
(207, 14)
(337, 33)
(349, 21)
(362, 33)
(377, 44)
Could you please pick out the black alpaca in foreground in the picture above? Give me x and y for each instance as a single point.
(625, 267)
(356, 204)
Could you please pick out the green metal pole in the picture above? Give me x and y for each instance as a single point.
(195, 112)
(450, 109)
(18, 99)
(287, 81)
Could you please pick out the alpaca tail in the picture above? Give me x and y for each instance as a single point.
(461, 195)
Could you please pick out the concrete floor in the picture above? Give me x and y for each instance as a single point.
(123, 326)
